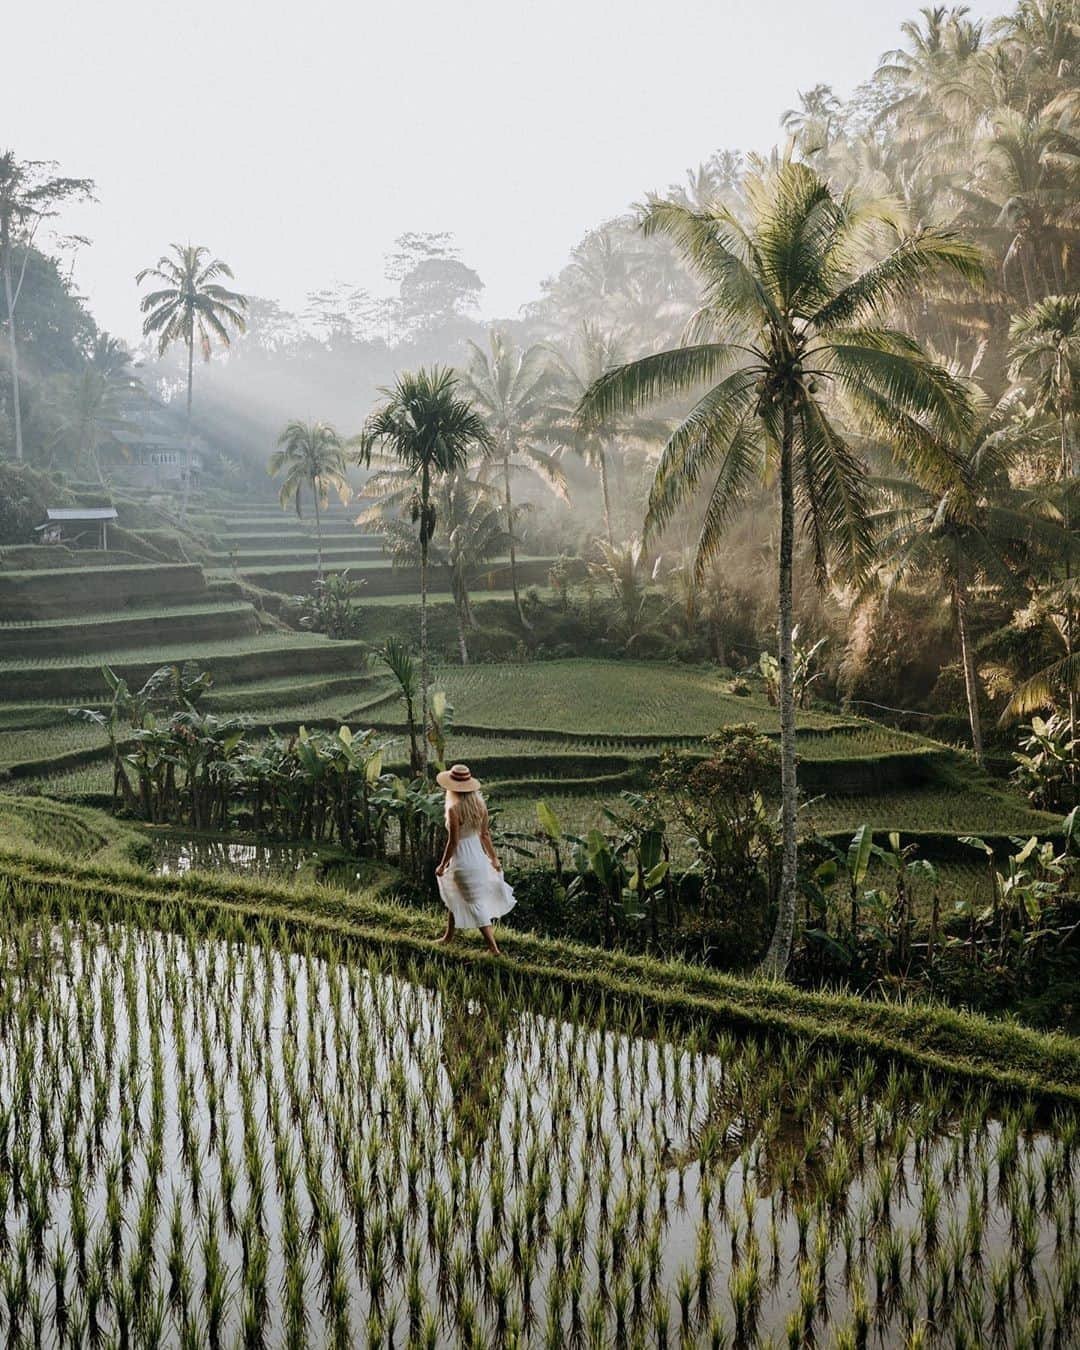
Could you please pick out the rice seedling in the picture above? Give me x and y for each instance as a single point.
(263, 1127)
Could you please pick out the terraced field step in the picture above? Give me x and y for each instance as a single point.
(298, 556)
(230, 661)
(55, 592)
(609, 700)
(269, 695)
(137, 627)
(268, 534)
(934, 820)
(382, 578)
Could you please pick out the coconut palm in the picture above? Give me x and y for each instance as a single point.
(577, 365)
(976, 532)
(507, 386)
(428, 429)
(92, 410)
(1046, 355)
(313, 457)
(789, 332)
(191, 305)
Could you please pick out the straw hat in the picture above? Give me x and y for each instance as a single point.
(458, 779)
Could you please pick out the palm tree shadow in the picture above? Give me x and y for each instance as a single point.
(473, 1054)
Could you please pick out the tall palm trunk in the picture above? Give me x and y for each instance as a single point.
(187, 451)
(318, 525)
(605, 490)
(513, 547)
(776, 958)
(1066, 480)
(460, 587)
(967, 658)
(13, 349)
(425, 507)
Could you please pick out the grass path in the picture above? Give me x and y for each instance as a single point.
(1005, 1057)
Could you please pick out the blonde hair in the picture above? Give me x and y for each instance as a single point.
(469, 808)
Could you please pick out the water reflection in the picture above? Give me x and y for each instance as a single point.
(174, 855)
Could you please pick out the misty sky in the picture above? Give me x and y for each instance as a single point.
(297, 140)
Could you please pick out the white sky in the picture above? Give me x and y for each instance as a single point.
(296, 140)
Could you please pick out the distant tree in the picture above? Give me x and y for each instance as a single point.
(30, 192)
(312, 456)
(509, 387)
(473, 531)
(190, 306)
(974, 531)
(787, 316)
(429, 429)
(817, 121)
(434, 285)
(1046, 355)
(577, 365)
(94, 404)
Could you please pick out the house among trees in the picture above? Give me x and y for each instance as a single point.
(155, 447)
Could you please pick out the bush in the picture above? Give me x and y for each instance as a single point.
(332, 607)
(720, 804)
(24, 495)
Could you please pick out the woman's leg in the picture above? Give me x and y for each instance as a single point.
(488, 934)
(449, 928)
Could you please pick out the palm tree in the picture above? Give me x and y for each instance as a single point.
(590, 353)
(429, 429)
(507, 386)
(787, 317)
(92, 412)
(1046, 352)
(313, 456)
(190, 305)
(975, 532)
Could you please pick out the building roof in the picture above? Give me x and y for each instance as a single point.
(80, 513)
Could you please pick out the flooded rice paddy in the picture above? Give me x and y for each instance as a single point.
(212, 1135)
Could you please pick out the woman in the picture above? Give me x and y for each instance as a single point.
(470, 876)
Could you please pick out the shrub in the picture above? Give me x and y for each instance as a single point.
(720, 804)
(333, 607)
(24, 494)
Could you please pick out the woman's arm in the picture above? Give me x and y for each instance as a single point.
(489, 848)
(451, 843)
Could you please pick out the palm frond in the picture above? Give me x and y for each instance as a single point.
(631, 387)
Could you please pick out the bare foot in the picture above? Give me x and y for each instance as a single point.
(445, 940)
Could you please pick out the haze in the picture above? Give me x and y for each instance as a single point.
(299, 141)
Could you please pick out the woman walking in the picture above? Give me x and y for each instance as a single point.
(471, 882)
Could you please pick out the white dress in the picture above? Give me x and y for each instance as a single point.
(471, 889)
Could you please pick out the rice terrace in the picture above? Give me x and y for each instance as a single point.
(540, 782)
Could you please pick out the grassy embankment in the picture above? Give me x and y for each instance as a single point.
(48, 850)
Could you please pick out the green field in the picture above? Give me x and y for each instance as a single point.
(604, 699)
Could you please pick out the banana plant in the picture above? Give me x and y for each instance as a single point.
(1024, 893)
(804, 674)
(596, 857)
(440, 724)
(398, 660)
